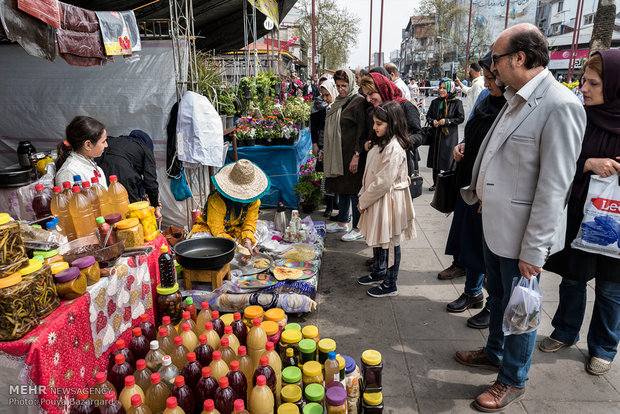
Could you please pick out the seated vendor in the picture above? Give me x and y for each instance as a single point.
(232, 210)
(86, 138)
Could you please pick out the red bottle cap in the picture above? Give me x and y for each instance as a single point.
(113, 179)
(171, 402)
(239, 405)
(202, 339)
(66, 184)
(144, 317)
(186, 327)
(75, 189)
(191, 356)
(178, 340)
(206, 372)
(256, 322)
(186, 315)
(94, 180)
(215, 315)
(204, 305)
(217, 355)
(137, 332)
(155, 378)
(163, 332)
(261, 380)
(209, 405)
(140, 364)
(242, 350)
(209, 326)
(234, 365)
(136, 400)
(110, 396)
(119, 359)
(224, 382)
(120, 344)
(228, 329)
(130, 381)
(264, 361)
(39, 187)
(82, 396)
(100, 378)
(237, 316)
(179, 381)
(269, 346)
(57, 189)
(85, 184)
(165, 320)
(224, 343)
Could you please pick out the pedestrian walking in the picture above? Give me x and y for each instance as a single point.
(477, 85)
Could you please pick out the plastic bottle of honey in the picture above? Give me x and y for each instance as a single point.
(224, 397)
(172, 407)
(137, 406)
(218, 324)
(246, 366)
(205, 389)
(192, 371)
(156, 394)
(102, 196)
(228, 355)
(183, 394)
(237, 381)
(213, 339)
(209, 407)
(179, 353)
(139, 345)
(261, 399)
(233, 342)
(204, 315)
(166, 344)
(81, 214)
(204, 352)
(257, 339)
(276, 363)
(117, 197)
(239, 329)
(92, 196)
(60, 208)
(190, 340)
(219, 368)
(129, 391)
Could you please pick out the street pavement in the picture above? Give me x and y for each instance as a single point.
(418, 337)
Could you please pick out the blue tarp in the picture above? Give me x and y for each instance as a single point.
(281, 163)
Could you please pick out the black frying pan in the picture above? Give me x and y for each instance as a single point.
(205, 254)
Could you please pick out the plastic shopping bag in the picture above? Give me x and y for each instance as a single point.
(523, 312)
(600, 228)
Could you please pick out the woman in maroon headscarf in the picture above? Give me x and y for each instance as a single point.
(600, 155)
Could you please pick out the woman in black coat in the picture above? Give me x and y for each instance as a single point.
(445, 114)
(600, 155)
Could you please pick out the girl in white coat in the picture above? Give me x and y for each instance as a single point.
(384, 200)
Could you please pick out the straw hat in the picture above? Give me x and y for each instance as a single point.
(241, 181)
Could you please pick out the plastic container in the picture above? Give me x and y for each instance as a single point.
(66, 189)
(203, 316)
(326, 345)
(49, 256)
(371, 371)
(83, 405)
(117, 197)
(246, 366)
(92, 196)
(219, 368)
(205, 389)
(172, 407)
(168, 371)
(292, 376)
(111, 405)
(288, 408)
(183, 394)
(336, 399)
(290, 338)
(268, 372)
(102, 196)
(154, 356)
(276, 363)
(218, 324)
(118, 373)
(179, 353)
(101, 388)
(224, 397)
(213, 339)
(60, 208)
(204, 351)
(293, 326)
(372, 403)
(272, 330)
(290, 360)
(13, 255)
(313, 408)
(43, 287)
(261, 399)
(332, 367)
(252, 312)
(81, 214)
(240, 330)
(352, 376)
(142, 375)
(228, 355)
(312, 373)
(192, 371)
(139, 345)
(188, 319)
(89, 268)
(41, 202)
(131, 231)
(233, 342)
(292, 394)
(238, 382)
(104, 228)
(166, 344)
(209, 407)
(315, 393)
(257, 339)
(18, 314)
(113, 218)
(169, 303)
(191, 308)
(276, 315)
(311, 332)
(148, 329)
(146, 214)
(166, 322)
(121, 349)
(240, 407)
(70, 283)
(190, 340)
(307, 349)
(167, 271)
(156, 394)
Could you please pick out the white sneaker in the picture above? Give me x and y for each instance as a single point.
(352, 235)
(335, 227)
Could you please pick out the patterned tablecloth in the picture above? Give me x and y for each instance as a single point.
(42, 371)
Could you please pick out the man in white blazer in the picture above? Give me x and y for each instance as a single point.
(521, 178)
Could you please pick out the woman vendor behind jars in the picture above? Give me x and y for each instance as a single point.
(232, 210)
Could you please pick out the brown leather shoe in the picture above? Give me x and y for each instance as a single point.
(475, 358)
(497, 397)
(451, 272)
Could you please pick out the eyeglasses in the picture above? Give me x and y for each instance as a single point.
(498, 57)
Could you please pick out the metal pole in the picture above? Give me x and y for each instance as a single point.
(507, 11)
(267, 43)
(577, 41)
(313, 41)
(381, 35)
(468, 38)
(370, 39)
(246, 35)
(573, 47)
(254, 34)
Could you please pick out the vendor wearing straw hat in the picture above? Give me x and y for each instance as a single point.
(232, 210)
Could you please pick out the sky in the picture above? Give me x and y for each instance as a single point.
(396, 14)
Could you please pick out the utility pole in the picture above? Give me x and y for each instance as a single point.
(468, 38)
(507, 11)
(381, 35)
(575, 43)
(313, 41)
(370, 39)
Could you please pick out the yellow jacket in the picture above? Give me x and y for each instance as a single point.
(221, 222)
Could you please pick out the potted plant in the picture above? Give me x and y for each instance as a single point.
(309, 186)
(290, 133)
(245, 136)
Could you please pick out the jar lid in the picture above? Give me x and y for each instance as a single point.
(293, 326)
(270, 327)
(307, 346)
(310, 331)
(39, 258)
(341, 362)
(333, 384)
(291, 393)
(113, 218)
(313, 408)
(67, 275)
(127, 223)
(45, 253)
(33, 266)
(228, 318)
(371, 357)
(167, 291)
(291, 374)
(275, 314)
(291, 337)
(58, 267)
(138, 205)
(83, 262)
(4, 218)
(326, 345)
(11, 280)
(373, 398)
(288, 408)
(314, 392)
(312, 369)
(336, 396)
(349, 364)
(253, 312)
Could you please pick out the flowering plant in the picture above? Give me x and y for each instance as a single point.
(309, 185)
(289, 130)
(297, 109)
(245, 132)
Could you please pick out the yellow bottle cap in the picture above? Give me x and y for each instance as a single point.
(291, 336)
(310, 331)
(270, 327)
(341, 362)
(326, 345)
(253, 312)
(11, 280)
(59, 267)
(371, 357)
(291, 393)
(4, 218)
(290, 352)
(139, 205)
(34, 265)
(275, 314)
(373, 398)
(167, 291)
(164, 249)
(127, 223)
(288, 408)
(312, 369)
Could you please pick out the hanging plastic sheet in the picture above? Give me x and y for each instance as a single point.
(120, 32)
(79, 38)
(36, 37)
(48, 11)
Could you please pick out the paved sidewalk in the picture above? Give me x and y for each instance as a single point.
(418, 338)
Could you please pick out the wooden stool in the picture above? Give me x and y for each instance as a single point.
(214, 276)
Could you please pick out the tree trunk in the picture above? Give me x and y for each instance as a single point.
(603, 25)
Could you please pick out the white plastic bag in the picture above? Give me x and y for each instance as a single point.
(523, 312)
(599, 232)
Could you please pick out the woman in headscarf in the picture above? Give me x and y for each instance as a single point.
(445, 114)
(600, 155)
(343, 163)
